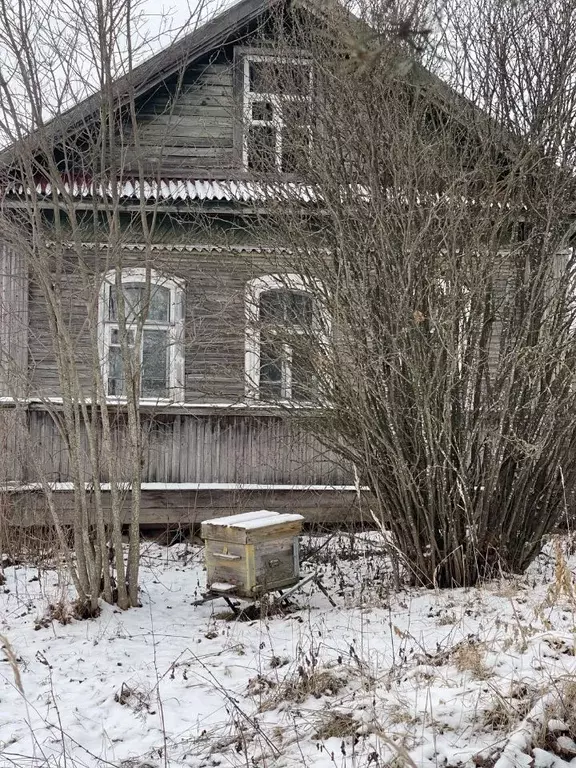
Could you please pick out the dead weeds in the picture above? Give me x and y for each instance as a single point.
(62, 612)
(469, 657)
(340, 725)
(134, 698)
(298, 686)
(507, 711)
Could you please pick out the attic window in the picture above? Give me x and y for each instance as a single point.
(277, 94)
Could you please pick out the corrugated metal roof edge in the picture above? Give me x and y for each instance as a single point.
(171, 189)
(243, 191)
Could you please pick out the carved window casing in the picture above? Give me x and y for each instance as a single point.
(153, 332)
(284, 329)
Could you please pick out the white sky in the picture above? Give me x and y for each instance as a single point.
(167, 20)
(60, 36)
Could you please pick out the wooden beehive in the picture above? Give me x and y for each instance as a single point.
(252, 553)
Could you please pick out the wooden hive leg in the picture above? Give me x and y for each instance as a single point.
(233, 607)
(323, 589)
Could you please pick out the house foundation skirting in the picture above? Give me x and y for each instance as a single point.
(187, 507)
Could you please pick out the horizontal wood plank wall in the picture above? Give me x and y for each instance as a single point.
(214, 323)
(13, 322)
(13, 444)
(183, 448)
(44, 379)
(188, 127)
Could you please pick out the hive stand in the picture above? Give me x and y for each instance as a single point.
(227, 592)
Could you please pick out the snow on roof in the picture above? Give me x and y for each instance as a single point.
(67, 486)
(265, 522)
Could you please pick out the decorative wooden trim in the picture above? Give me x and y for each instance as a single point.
(254, 288)
(243, 97)
(175, 327)
(175, 247)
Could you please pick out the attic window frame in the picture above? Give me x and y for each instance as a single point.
(248, 97)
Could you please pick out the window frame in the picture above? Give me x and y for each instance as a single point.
(243, 58)
(174, 326)
(254, 290)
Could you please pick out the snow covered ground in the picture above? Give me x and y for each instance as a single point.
(483, 677)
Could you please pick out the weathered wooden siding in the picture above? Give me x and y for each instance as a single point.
(187, 126)
(501, 288)
(250, 452)
(214, 323)
(13, 444)
(13, 322)
(183, 448)
(42, 359)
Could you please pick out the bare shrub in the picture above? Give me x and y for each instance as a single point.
(69, 124)
(434, 231)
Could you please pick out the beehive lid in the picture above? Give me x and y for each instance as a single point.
(250, 526)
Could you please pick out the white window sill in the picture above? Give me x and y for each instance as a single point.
(147, 401)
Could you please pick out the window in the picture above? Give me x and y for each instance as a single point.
(153, 312)
(282, 315)
(277, 93)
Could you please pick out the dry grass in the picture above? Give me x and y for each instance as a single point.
(402, 714)
(36, 545)
(564, 709)
(297, 687)
(8, 652)
(562, 587)
(506, 712)
(61, 612)
(557, 731)
(335, 724)
(447, 619)
(134, 698)
(469, 657)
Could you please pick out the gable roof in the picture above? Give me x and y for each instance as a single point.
(155, 70)
(225, 28)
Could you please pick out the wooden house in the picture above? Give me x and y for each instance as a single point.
(214, 437)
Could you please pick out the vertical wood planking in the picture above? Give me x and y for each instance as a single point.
(211, 448)
(13, 322)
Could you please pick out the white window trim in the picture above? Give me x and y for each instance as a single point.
(276, 99)
(175, 330)
(254, 289)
